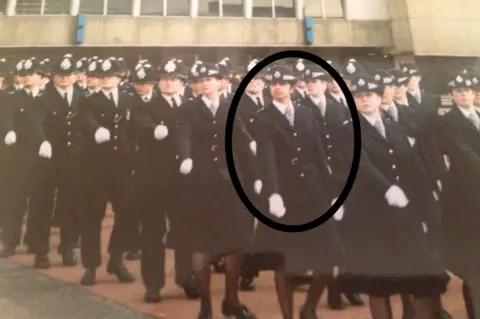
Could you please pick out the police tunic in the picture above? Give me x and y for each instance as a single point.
(293, 164)
(387, 248)
(218, 222)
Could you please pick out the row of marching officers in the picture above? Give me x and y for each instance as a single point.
(292, 154)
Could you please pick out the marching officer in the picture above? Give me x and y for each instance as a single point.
(81, 78)
(300, 93)
(94, 83)
(58, 181)
(107, 164)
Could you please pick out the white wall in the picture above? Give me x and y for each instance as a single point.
(367, 9)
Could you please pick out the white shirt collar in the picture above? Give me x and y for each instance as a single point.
(318, 100)
(175, 97)
(468, 111)
(69, 92)
(18, 86)
(209, 102)
(372, 119)
(405, 102)
(283, 107)
(256, 97)
(32, 91)
(301, 91)
(114, 92)
(338, 97)
(148, 96)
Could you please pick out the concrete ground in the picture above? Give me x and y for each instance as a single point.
(54, 293)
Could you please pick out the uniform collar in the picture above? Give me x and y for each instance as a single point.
(283, 107)
(256, 97)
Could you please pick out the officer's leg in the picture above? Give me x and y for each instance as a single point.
(12, 233)
(152, 212)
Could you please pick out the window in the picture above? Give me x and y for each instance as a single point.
(171, 8)
(28, 7)
(208, 8)
(119, 7)
(232, 8)
(178, 8)
(262, 9)
(151, 8)
(333, 8)
(56, 7)
(92, 7)
(3, 6)
(284, 8)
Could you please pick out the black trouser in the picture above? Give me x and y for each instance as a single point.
(57, 190)
(154, 203)
(110, 185)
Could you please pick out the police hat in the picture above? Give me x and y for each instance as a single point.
(400, 77)
(110, 67)
(476, 81)
(31, 66)
(363, 83)
(383, 77)
(170, 69)
(208, 70)
(64, 66)
(252, 64)
(193, 74)
(336, 67)
(281, 73)
(82, 65)
(352, 68)
(459, 80)
(144, 74)
(316, 72)
(410, 69)
(93, 69)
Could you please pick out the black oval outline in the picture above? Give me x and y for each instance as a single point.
(357, 138)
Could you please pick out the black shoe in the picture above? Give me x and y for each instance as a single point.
(69, 258)
(41, 262)
(152, 296)
(205, 314)
(237, 312)
(120, 271)
(7, 252)
(247, 284)
(334, 298)
(89, 278)
(219, 265)
(355, 299)
(132, 255)
(190, 288)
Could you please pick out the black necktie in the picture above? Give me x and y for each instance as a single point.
(65, 97)
(112, 99)
(174, 103)
(259, 102)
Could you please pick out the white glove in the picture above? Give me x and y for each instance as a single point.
(257, 186)
(439, 184)
(186, 166)
(435, 195)
(102, 135)
(253, 147)
(10, 138)
(396, 197)
(45, 150)
(161, 131)
(338, 216)
(276, 206)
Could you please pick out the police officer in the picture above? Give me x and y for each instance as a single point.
(94, 83)
(60, 108)
(81, 79)
(107, 164)
(299, 94)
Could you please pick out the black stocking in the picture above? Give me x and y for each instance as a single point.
(202, 270)
(315, 291)
(284, 286)
(233, 269)
(380, 307)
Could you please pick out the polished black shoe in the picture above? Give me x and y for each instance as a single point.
(334, 298)
(238, 311)
(7, 252)
(41, 262)
(190, 288)
(219, 265)
(247, 284)
(68, 258)
(152, 296)
(133, 255)
(355, 299)
(205, 314)
(89, 278)
(120, 271)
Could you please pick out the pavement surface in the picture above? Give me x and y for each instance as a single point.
(54, 293)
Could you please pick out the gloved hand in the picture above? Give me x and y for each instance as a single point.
(10, 138)
(45, 150)
(276, 205)
(338, 216)
(253, 147)
(257, 186)
(186, 166)
(161, 131)
(395, 196)
(102, 135)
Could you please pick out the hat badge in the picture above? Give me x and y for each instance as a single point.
(300, 66)
(138, 66)
(251, 65)
(307, 72)
(361, 82)
(19, 66)
(106, 65)
(65, 64)
(203, 69)
(92, 66)
(405, 69)
(377, 77)
(170, 66)
(372, 86)
(277, 74)
(141, 73)
(459, 79)
(351, 68)
(468, 82)
(79, 64)
(28, 64)
(475, 80)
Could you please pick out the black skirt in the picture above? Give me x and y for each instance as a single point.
(216, 221)
(319, 249)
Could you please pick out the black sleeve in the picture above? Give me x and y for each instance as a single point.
(89, 124)
(6, 114)
(266, 157)
(185, 130)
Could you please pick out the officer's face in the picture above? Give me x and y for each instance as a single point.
(169, 85)
(388, 93)
(31, 80)
(477, 98)
(93, 82)
(110, 82)
(281, 91)
(197, 87)
(17, 79)
(414, 82)
(301, 84)
(400, 92)
(367, 102)
(316, 87)
(210, 85)
(463, 97)
(64, 81)
(143, 88)
(255, 86)
(81, 77)
(333, 87)
(224, 84)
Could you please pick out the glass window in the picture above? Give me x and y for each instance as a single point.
(91, 6)
(232, 8)
(3, 6)
(178, 8)
(57, 7)
(119, 7)
(28, 7)
(284, 8)
(262, 9)
(151, 7)
(208, 8)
